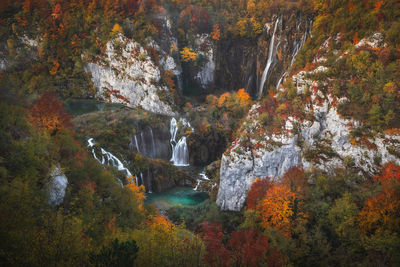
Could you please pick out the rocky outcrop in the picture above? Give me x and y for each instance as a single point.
(324, 142)
(126, 74)
(57, 185)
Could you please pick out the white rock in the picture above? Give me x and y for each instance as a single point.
(58, 185)
(128, 69)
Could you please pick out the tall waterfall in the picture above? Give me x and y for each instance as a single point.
(271, 51)
(298, 44)
(144, 143)
(180, 152)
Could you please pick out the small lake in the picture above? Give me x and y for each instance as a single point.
(78, 107)
(184, 196)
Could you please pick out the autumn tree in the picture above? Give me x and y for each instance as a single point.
(277, 207)
(216, 252)
(381, 212)
(49, 113)
(248, 247)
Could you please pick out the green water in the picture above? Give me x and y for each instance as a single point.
(184, 196)
(78, 107)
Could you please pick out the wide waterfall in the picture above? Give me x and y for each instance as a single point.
(180, 152)
(152, 143)
(271, 51)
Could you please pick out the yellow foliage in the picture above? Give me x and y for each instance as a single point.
(187, 54)
(116, 29)
(138, 191)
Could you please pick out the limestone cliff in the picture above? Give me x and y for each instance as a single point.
(322, 141)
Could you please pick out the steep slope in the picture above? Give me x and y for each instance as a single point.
(316, 138)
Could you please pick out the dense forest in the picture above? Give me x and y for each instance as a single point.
(62, 205)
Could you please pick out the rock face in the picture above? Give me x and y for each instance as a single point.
(58, 185)
(126, 74)
(276, 153)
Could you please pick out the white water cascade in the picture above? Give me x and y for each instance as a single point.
(271, 51)
(203, 177)
(298, 44)
(108, 158)
(180, 152)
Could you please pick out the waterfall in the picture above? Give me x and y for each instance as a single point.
(153, 148)
(173, 129)
(203, 177)
(136, 144)
(198, 184)
(143, 144)
(180, 152)
(269, 61)
(280, 80)
(115, 162)
(298, 44)
(149, 181)
(108, 158)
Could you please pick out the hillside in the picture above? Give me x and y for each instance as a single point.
(200, 133)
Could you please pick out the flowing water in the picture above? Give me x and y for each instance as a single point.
(180, 152)
(271, 51)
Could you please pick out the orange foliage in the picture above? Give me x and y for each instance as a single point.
(378, 5)
(276, 208)
(380, 212)
(355, 38)
(223, 99)
(161, 224)
(244, 98)
(49, 113)
(54, 69)
(138, 191)
(393, 131)
(216, 33)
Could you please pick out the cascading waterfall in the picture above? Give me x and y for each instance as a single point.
(203, 177)
(180, 152)
(271, 51)
(108, 158)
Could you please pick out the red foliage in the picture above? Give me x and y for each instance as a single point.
(257, 192)
(296, 180)
(249, 247)
(115, 93)
(390, 172)
(49, 113)
(216, 253)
